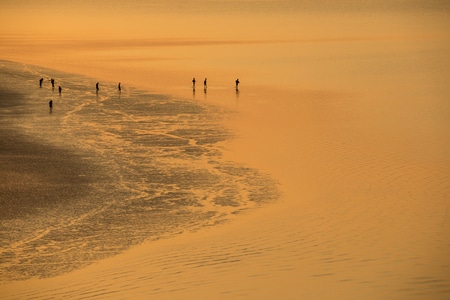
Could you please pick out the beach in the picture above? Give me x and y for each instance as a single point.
(324, 176)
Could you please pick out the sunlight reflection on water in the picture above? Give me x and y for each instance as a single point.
(159, 171)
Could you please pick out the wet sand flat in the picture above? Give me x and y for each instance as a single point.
(341, 123)
(35, 175)
(362, 211)
(101, 172)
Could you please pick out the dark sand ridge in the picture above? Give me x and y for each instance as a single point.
(41, 185)
(364, 175)
(34, 175)
(68, 205)
(36, 179)
(364, 216)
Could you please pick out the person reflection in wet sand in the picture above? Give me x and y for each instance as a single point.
(50, 105)
(40, 82)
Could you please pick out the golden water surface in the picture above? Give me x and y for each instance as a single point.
(345, 104)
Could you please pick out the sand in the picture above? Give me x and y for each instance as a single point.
(363, 212)
(351, 121)
(34, 176)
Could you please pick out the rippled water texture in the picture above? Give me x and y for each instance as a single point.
(344, 103)
(105, 171)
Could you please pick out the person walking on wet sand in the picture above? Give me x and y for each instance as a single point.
(50, 105)
(205, 84)
(53, 83)
(119, 87)
(193, 83)
(59, 89)
(96, 87)
(237, 84)
(40, 82)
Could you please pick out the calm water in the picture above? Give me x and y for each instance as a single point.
(161, 45)
(344, 102)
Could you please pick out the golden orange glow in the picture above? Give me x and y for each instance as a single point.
(343, 103)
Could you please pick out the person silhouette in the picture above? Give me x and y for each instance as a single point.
(237, 84)
(205, 84)
(60, 89)
(53, 83)
(40, 82)
(96, 87)
(193, 83)
(50, 105)
(119, 87)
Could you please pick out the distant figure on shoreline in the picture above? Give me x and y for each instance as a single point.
(237, 84)
(40, 82)
(193, 83)
(50, 105)
(119, 87)
(60, 89)
(96, 87)
(53, 83)
(205, 84)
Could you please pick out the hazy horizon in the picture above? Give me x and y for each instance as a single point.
(344, 104)
(278, 43)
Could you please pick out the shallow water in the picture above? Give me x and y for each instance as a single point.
(152, 163)
(344, 103)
